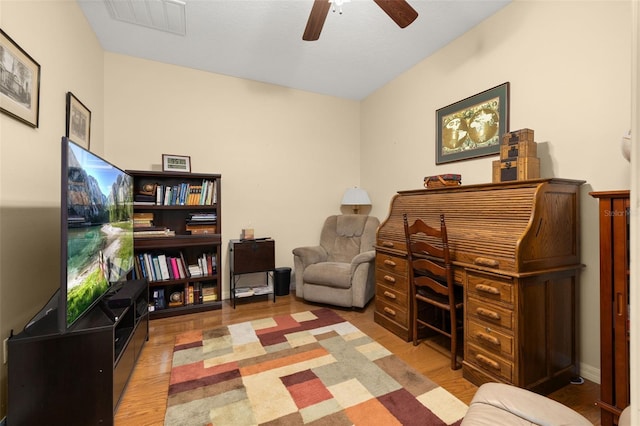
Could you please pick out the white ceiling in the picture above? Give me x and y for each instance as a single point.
(358, 51)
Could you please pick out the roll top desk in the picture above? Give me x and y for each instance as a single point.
(515, 247)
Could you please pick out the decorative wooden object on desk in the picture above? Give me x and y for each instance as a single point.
(177, 240)
(614, 304)
(515, 246)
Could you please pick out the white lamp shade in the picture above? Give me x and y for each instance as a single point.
(356, 197)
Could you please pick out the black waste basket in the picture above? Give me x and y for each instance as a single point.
(282, 277)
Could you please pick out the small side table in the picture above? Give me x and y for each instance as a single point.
(248, 257)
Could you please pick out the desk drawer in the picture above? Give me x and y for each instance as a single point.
(489, 313)
(392, 311)
(391, 280)
(490, 339)
(392, 295)
(498, 288)
(489, 362)
(393, 264)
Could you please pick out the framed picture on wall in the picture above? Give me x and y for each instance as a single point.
(472, 127)
(78, 128)
(19, 82)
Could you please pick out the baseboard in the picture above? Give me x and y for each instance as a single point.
(590, 373)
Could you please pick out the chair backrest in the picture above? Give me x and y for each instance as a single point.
(428, 254)
(347, 235)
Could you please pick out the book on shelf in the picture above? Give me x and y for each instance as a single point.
(190, 297)
(164, 269)
(158, 299)
(161, 232)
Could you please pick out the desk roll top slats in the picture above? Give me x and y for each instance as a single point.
(516, 249)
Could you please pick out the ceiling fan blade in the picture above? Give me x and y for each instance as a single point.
(399, 10)
(316, 20)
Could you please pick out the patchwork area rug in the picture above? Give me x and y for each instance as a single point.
(306, 368)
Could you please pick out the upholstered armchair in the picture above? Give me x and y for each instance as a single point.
(340, 270)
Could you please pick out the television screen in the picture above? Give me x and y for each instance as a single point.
(97, 229)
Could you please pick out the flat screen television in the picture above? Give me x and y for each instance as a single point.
(97, 230)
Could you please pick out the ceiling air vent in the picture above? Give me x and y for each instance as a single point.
(163, 15)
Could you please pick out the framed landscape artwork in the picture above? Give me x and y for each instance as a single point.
(472, 127)
(78, 127)
(19, 82)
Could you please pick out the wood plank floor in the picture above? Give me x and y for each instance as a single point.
(145, 398)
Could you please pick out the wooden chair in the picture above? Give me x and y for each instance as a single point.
(437, 301)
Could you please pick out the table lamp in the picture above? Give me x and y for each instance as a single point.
(356, 197)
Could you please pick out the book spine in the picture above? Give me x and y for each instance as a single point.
(174, 268)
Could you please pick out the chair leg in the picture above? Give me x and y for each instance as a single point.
(454, 342)
(414, 322)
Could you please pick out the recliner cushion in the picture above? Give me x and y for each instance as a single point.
(331, 274)
(342, 237)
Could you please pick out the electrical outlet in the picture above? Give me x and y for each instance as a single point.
(5, 350)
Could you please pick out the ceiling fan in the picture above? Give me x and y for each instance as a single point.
(399, 10)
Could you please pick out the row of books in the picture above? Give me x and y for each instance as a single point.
(183, 194)
(195, 294)
(160, 267)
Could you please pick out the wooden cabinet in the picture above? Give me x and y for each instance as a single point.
(515, 248)
(178, 249)
(248, 257)
(78, 377)
(614, 304)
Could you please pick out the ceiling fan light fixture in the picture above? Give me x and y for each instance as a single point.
(339, 4)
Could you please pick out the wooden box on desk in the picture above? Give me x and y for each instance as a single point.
(519, 149)
(521, 168)
(522, 135)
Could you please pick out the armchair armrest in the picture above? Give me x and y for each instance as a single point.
(310, 254)
(364, 257)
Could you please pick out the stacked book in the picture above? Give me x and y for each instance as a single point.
(206, 265)
(202, 223)
(143, 226)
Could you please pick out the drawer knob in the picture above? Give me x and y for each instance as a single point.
(389, 262)
(389, 311)
(389, 295)
(487, 338)
(488, 314)
(388, 244)
(487, 289)
(389, 278)
(487, 361)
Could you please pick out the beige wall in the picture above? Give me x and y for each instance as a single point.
(569, 83)
(287, 156)
(57, 36)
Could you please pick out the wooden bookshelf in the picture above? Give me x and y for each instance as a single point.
(184, 232)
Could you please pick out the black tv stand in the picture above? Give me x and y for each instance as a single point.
(78, 377)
